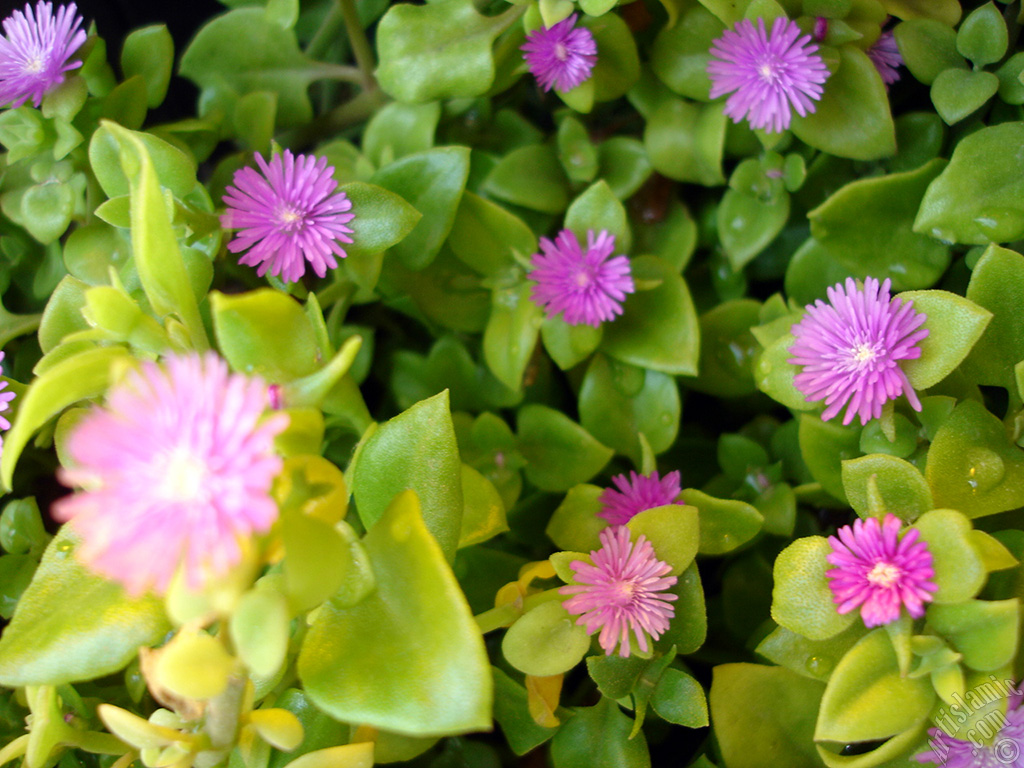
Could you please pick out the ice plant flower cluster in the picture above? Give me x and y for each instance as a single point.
(288, 213)
(623, 592)
(849, 349)
(5, 404)
(768, 75)
(587, 287)
(880, 571)
(637, 493)
(1004, 750)
(885, 55)
(173, 472)
(561, 56)
(35, 51)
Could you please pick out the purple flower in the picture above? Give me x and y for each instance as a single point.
(636, 494)
(287, 216)
(35, 49)
(771, 74)
(850, 350)
(879, 571)
(561, 56)
(622, 592)
(1004, 750)
(5, 404)
(587, 287)
(174, 472)
(886, 57)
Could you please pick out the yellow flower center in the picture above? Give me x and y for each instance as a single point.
(884, 574)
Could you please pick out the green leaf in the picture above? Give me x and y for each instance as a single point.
(438, 51)
(155, 250)
(946, 11)
(82, 376)
(867, 227)
(437, 679)
(51, 640)
(679, 698)
(575, 150)
(486, 237)
(575, 525)
(397, 130)
(618, 402)
(959, 569)
(674, 532)
(955, 324)
(382, 220)
(432, 182)
(997, 279)
(825, 445)
(895, 484)
(597, 208)
(866, 697)
(545, 641)
(928, 48)
(265, 332)
(511, 334)
(599, 735)
(558, 451)
(984, 631)
(685, 141)
(259, 631)
(979, 198)
(569, 345)
(852, 119)
(484, 513)
(149, 52)
(681, 53)
(728, 349)
(618, 65)
(752, 704)
(982, 37)
(956, 93)
(512, 714)
(810, 658)
(415, 450)
(747, 224)
(724, 523)
(624, 165)
(242, 51)
(532, 177)
(658, 328)
(973, 466)
(175, 170)
(801, 598)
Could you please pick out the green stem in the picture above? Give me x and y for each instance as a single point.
(342, 72)
(496, 618)
(352, 112)
(327, 33)
(95, 742)
(361, 47)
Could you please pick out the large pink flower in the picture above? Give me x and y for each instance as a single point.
(637, 493)
(173, 472)
(35, 51)
(623, 592)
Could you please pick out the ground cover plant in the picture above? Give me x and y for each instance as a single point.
(481, 383)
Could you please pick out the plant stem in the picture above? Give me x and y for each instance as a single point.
(361, 47)
(324, 36)
(352, 112)
(496, 618)
(95, 742)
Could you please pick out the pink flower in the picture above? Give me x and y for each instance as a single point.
(35, 49)
(768, 76)
(636, 494)
(1004, 750)
(562, 56)
(173, 472)
(879, 571)
(287, 216)
(885, 55)
(850, 350)
(5, 404)
(587, 287)
(622, 592)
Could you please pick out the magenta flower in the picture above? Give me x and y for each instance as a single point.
(850, 350)
(769, 76)
(879, 571)
(1004, 749)
(622, 592)
(5, 404)
(35, 49)
(562, 56)
(586, 287)
(287, 216)
(886, 57)
(636, 494)
(173, 473)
